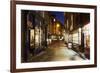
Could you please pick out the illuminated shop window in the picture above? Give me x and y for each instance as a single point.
(86, 32)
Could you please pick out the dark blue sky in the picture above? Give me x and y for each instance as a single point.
(59, 16)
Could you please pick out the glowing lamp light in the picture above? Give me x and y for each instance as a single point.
(54, 20)
(57, 25)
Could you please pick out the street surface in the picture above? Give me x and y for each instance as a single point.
(57, 51)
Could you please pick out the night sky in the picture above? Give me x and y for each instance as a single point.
(59, 16)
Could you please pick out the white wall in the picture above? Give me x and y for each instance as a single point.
(5, 36)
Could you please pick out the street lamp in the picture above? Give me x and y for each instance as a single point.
(57, 25)
(54, 19)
